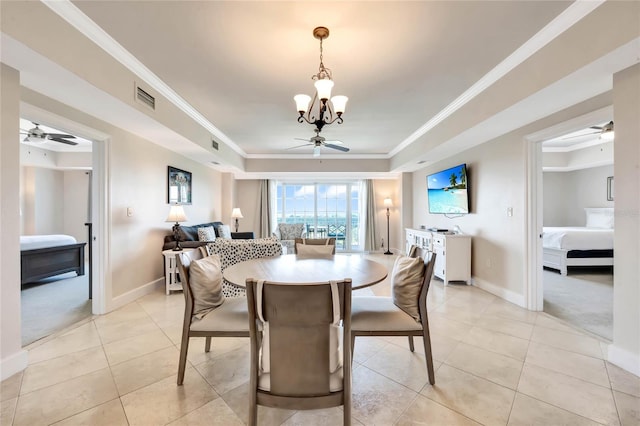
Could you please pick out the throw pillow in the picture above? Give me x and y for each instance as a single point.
(205, 279)
(206, 234)
(309, 250)
(406, 283)
(224, 231)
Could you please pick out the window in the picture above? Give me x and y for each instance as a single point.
(327, 210)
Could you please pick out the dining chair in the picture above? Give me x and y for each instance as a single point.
(316, 242)
(228, 319)
(381, 316)
(296, 359)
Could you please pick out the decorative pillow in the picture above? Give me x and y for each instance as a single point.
(311, 250)
(224, 231)
(599, 217)
(206, 234)
(290, 231)
(406, 283)
(205, 279)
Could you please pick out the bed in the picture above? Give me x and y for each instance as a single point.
(43, 256)
(591, 245)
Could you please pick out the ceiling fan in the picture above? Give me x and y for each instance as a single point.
(318, 141)
(38, 135)
(606, 132)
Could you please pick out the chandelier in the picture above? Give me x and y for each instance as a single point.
(326, 114)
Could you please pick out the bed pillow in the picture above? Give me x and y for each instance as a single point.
(406, 283)
(224, 231)
(206, 234)
(205, 279)
(599, 218)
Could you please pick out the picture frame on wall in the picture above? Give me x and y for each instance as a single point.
(610, 188)
(179, 186)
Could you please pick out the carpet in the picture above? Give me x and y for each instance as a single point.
(584, 298)
(53, 304)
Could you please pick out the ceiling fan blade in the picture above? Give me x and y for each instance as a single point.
(299, 146)
(59, 135)
(63, 141)
(300, 139)
(336, 142)
(339, 148)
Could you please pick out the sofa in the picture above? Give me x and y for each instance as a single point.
(189, 236)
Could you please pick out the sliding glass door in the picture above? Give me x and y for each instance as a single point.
(326, 209)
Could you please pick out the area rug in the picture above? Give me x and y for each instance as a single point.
(583, 298)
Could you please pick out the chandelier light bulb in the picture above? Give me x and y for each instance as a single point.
(339, 103)
(323, 87)
(302, 102)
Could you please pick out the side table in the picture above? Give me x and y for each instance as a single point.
(171, 279)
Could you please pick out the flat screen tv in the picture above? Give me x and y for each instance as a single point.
(447, 191)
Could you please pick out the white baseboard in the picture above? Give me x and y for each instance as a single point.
(130, 296)
(13, 364)
(501, 292)
(624, 359)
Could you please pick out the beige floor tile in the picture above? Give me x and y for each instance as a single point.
(476, 305)
(63, 368)
(471, 396)
(503, 309)
(174, 333)
(112, 332)
(513, 328)
(145, 370)
(528, 411)
(216, 412)
(126, 349)
(219, 346)
(57, 402)
(570, 363)
(424, 411)
(623, 381)
(7, 411)
(497, 342)
(378, 400)
(564, 340)
(628, 408)
(10, 387)
(444, 326)
(400, 365)
(168, 317)
(238, 400)
(164, 401)
(158, 301)
(460, 314)
(546, 320)
(326, 417)
(494, 367)
(130, 313)
(79, 339)
(226, 371)
(575, 395)
(108, 414)
(365, 347)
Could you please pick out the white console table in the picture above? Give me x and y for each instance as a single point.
(171, 280)
(453, 253)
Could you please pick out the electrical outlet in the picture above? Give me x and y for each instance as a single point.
(510, 211)
(129, 211)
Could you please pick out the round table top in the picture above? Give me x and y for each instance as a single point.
(295, 269)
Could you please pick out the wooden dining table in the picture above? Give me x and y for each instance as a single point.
(296, 269)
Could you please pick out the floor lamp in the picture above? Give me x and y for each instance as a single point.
(388, 203)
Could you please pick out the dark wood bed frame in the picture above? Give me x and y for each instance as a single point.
(46, 262)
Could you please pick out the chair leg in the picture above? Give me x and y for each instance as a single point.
(426, 339)
(253, 409)
(207, 344)
(182, 364)
(411, 348)
(353, 346)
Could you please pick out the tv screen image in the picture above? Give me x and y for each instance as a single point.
(447, 191)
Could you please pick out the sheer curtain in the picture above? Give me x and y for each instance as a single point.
(368, 209)
(265, 209)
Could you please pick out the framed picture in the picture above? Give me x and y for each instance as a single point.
(610, 188)
(178, 186)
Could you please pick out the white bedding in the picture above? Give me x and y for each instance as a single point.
(577, 238)
(30, 242)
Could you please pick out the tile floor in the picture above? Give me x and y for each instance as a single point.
(496, 364)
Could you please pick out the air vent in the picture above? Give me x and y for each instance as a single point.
(214, 144)
(145, 98)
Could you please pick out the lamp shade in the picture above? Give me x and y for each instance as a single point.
(388, 203)
(339, 103)
(323, 87)
(176, 214)
(236, 213)
(302, 102)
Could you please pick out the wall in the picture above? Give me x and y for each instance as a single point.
(566, 194)
(625, 350)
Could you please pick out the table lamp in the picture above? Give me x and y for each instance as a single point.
(236, 214)
(176, 214)
(388, 203)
